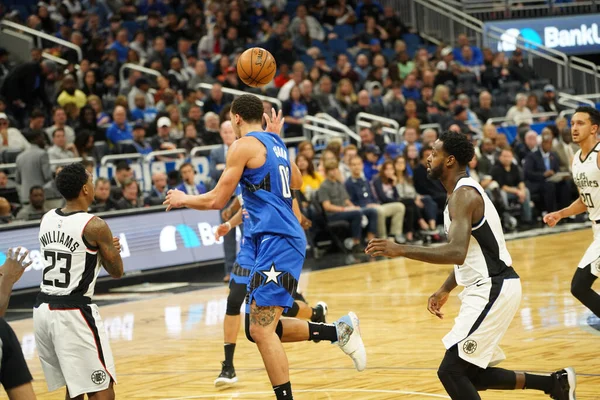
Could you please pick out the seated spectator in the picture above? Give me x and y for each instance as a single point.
(548, 102)
(36, 125)
(178, 76)
(345, 98)
(373, 161)
(294, 110)
(130, 197)
(365, 105)
(176, 123)
(311, 179)
(35, 209)
(158, 193)
(534, 106)
(307, 89)
(200, 75)
(123, 173)
(70, 93)
(541, 165)
(6, 183)
(6, 216)
(60, 150)
(519, 69)
(307, 149)
(476, 56)
(519, 113)
(216, 100)
(102, 199)
(211, 135)
(119, 130)
(163, 141)
(189, 186)
(512, 187)
(441, 98)
(410, 136)
(189, 99)
(343, 70)
(410, 89)
(474, 172)
(315, 30)
(87, 121)
(141, 113)
(60, 121)
(485, 110)
(368, 138)
(139, 140)
(190, 137)
(361, 194)
(33, 167)
(142, 86)
(488, 158)
(421, 211)
(530, 145)
(428, 137)
(562, 147)
(338, 207)
(102, 118)
(11, 138)
(349, 152)
(426, 186)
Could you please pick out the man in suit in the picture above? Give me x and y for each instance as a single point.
(217, 165)
(159, 190)
(540, 165)
(123, 173)
(33, 167)
(189, 186)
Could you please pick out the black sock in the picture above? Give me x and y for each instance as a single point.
(538, 382)
(229, 350)
(283, 392)
(318, 332)
(495, 378)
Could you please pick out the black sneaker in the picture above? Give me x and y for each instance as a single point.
(227, 376)
(320, 313)
(564, 382)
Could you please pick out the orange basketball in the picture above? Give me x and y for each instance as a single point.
(256, 67)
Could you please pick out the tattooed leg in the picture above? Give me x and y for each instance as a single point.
(263, 321)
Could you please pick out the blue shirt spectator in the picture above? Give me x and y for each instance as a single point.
(360, 192)
(119, 130)
(373, 161)
(121, 46)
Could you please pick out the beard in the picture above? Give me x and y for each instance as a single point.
(435, 173)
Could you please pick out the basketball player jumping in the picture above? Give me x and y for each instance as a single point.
(237, 290)
(483, 266)
(69, 333)
(260, 161)
(585, 125)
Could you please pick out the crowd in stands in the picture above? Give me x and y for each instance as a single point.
(340, 57)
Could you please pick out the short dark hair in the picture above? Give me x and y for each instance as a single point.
(88, 163)
(58, 130)
(35, 187)
(123, 165)
(70, 180)
(457, 145)
(186, 164)
(592, 112)
(37, 113)
(423, 150)
(249, 107)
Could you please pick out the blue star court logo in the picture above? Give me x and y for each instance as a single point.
(272, 275)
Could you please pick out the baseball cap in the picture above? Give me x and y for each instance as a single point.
(374, 42)
(441, 66)
(163, 121)
(459, 109)
(3, 116)
(445, 51)
(393, 150)
(549, 88)
(138, 125)
(372, 149)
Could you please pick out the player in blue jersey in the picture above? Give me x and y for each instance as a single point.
(238, 285)
(260, 162)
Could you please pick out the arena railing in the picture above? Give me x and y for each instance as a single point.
(585, 78)
(503, 120)
(390, 134)
(505, 9)
(331, 125)
(236, 93)
(41, 36)
(135, 67)
(363, 118)
(573, 100)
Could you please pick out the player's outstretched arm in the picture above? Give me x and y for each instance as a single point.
(224, 229)
(238, 155)
(98, 234)
(576, 207)
(10, 273)
(463, 204)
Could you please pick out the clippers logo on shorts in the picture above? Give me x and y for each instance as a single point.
(470, 346)
(98, 377)
(596, 265)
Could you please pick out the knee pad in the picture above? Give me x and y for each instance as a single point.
(292, 311)
(278, 329)
(237, 294)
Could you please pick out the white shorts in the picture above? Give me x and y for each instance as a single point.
(592, 254)
(73, 348)
(485, 314)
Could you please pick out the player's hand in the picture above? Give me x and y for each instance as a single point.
(174, 199)
(552, 218)
(436, 302)
(274, 122)
(226, 214)
(117, 243)
(305, 223)
(383, 248)
(222, 230)
(15, 265)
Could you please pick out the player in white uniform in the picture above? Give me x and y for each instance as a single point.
(585, 125)
(483, 266)
(69, 333)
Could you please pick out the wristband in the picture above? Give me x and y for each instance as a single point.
(228, 225)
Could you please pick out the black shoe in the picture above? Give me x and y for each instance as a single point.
(227, 376)
(320, 313)
(564, 382)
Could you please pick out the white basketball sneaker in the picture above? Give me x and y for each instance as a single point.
(350, 341)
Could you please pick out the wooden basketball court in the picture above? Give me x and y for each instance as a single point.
(170, 347)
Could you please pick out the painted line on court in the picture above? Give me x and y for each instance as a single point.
(239, 394)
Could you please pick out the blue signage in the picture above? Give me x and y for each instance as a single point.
(570, 35)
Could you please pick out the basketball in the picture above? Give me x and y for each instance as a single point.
(256, 67)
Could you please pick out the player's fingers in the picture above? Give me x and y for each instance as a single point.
(267, 118)
(10, 253)
(280, 115)
(27, 264)
(23, 256)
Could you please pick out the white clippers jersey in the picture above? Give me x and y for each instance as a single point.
(71, 265)
(487, 255)
(587, 176)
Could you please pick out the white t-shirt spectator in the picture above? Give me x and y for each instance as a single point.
(14, 140)
(520, 116)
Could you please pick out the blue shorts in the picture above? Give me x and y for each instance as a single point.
(243, 262)
(274, 278)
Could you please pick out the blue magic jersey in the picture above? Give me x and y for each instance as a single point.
(267, 194)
